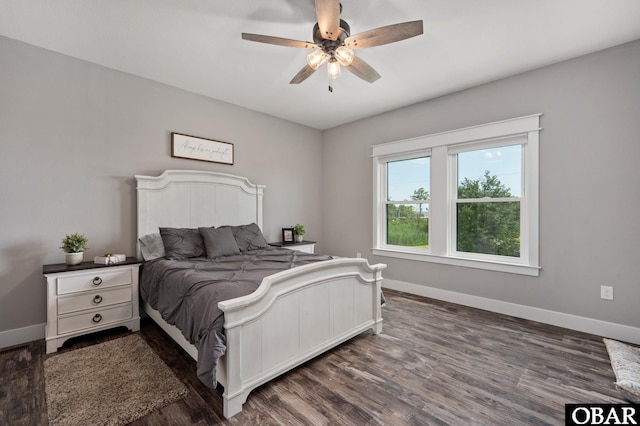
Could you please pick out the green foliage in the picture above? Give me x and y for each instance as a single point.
(74, 243)
(405, 227)
(299, 229)
(400, 211)
(410, 232)
(483, 227)
(487, 186)
(420, 194)
(487, 227)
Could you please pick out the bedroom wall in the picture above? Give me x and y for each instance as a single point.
(589, 187)
(73, 134)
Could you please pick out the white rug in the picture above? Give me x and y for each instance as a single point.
(625, 360)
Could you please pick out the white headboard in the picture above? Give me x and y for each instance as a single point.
(189, 198)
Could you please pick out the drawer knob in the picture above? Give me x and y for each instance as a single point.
(97, 318)
(97, 281)
(97, 299)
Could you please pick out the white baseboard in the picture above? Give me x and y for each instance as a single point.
(22, 335)
(587, 325)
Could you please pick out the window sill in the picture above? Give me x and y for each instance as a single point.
(512, 268)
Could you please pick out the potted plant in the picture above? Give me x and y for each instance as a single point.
(299, 231)
(74, 246)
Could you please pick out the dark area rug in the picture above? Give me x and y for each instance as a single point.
(112, 383)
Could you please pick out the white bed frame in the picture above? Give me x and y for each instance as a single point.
(293, 316)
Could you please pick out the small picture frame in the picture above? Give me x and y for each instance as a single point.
(288, 236)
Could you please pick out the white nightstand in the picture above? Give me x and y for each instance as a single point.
(306, 246)
(87, 297)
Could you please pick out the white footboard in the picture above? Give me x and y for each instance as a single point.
(292, 317)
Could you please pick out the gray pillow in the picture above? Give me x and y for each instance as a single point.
(248, 237)
(182, 243)
(151, 246)
(219, 242)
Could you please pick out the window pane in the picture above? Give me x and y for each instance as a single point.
(494, 172)
(408, 225)
(489, 228)
(407, 179)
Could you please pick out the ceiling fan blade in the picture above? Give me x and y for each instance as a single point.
(302, 75)
(328, 13)
(278, 41)
(384, 35)
(363, 70)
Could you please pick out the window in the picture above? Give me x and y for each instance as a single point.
(487, 202)
(467, 197)
(407, 202)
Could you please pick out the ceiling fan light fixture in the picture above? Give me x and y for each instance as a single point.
(334, 44)
(317, 58)
(333, 68)
(344, 55)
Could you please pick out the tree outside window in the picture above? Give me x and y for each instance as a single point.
(487, 227)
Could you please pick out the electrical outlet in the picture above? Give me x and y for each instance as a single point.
(358, 254)
(606, 292)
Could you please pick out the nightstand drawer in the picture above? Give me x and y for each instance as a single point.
(307, 248)
(94, 299)
(93, 281)
(94, 318)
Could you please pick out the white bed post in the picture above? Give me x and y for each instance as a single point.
(233, 398)
(259, 195)
(377, 329)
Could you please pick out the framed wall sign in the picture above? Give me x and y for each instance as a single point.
(195, 148)
(288, 235)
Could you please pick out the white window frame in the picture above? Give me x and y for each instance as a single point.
(442, 148)
(384, 196)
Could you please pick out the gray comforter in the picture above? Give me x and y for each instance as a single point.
(187, 292)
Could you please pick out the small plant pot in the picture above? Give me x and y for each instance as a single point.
(299, 238)
(73, 258)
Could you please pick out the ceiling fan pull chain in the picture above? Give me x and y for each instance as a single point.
(330, 85)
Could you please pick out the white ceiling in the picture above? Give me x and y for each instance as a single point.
(196, 45)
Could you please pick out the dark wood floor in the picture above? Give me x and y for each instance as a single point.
(435, 363)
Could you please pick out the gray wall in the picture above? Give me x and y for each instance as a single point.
(73, 134)
(589, 184)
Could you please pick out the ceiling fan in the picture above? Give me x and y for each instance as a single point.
(334, 44)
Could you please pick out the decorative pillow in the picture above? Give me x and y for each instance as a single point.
(182, 243)
(219, 242)
(151, 246)
(248, 237)
(625, 360)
